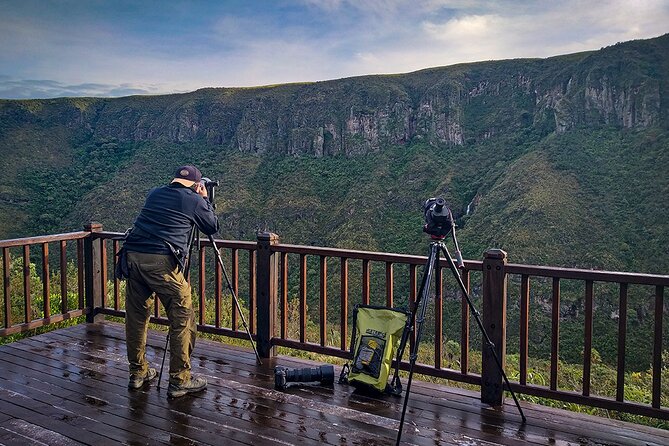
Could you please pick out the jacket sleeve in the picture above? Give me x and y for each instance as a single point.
(205, 217)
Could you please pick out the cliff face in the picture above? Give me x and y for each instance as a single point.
(624, 86)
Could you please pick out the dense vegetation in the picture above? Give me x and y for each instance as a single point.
(602, 205)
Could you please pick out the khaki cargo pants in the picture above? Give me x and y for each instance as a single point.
(158, 273)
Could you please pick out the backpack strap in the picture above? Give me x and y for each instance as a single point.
(343, 376)
(121, 269)
(395, 385)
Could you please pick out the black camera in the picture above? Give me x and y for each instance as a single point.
(323, 375)
(210, 185)
(438, 218)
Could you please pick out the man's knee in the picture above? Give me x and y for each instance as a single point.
(180, 315)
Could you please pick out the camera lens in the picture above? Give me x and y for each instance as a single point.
(323, 374)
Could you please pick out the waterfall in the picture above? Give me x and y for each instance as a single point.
(472, 204)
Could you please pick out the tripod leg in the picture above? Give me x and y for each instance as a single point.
(489, 343)
(234, 296)
(162, 365)
(421, 306)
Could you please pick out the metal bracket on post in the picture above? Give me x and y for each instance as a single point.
(267, 292)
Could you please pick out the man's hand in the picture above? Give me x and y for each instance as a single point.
(201, 190)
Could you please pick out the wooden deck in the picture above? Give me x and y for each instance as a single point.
(69, 387)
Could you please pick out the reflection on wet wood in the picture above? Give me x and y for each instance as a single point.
(69, 387)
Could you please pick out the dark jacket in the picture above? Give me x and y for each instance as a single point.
(168, 215)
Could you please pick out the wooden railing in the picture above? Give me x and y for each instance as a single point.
(285, 288)
(27, 309)
(653, 284)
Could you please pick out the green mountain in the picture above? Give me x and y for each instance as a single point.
(560, 161)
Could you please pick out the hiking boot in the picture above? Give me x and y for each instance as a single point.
(136, 382)
(195, 384)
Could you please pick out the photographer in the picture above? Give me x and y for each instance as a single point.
(157, 254)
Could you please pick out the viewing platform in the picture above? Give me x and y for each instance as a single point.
(68, 386)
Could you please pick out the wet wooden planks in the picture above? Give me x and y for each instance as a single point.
(69, 387)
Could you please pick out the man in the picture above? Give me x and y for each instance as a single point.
(157, 250)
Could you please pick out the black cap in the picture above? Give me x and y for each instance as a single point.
(190, 173)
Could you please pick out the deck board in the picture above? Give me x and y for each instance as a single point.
(69, 387)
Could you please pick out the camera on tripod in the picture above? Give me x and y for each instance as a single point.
(323, 375)
(439, 223)
(438, 218)
(210, 185)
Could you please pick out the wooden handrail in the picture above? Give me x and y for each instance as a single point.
(27, 241)
(366, 255)
(29, 315)
(589, 274)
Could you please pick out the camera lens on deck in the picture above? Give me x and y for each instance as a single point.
(324, 375)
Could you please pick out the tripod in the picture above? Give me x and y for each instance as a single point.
(436, 246)
(232, 292)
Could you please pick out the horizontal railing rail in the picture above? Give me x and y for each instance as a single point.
(303, 297)
(588, 274)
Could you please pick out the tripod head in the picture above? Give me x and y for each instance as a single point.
(439, 220)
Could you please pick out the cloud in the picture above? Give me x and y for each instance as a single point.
(558, 28)
(464, 28)
(109, 48)
(32, 88)
(456, 32)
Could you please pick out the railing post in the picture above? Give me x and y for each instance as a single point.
(494, 322)
(93, 272)
(267, 281)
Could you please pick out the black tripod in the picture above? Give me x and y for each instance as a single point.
(439, 230)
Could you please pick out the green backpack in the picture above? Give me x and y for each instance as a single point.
(377, 334)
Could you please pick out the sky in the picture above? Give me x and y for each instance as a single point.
(110, 48)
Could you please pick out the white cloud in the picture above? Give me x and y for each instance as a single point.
(559, 28)
(26, 89)
(466, 27)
